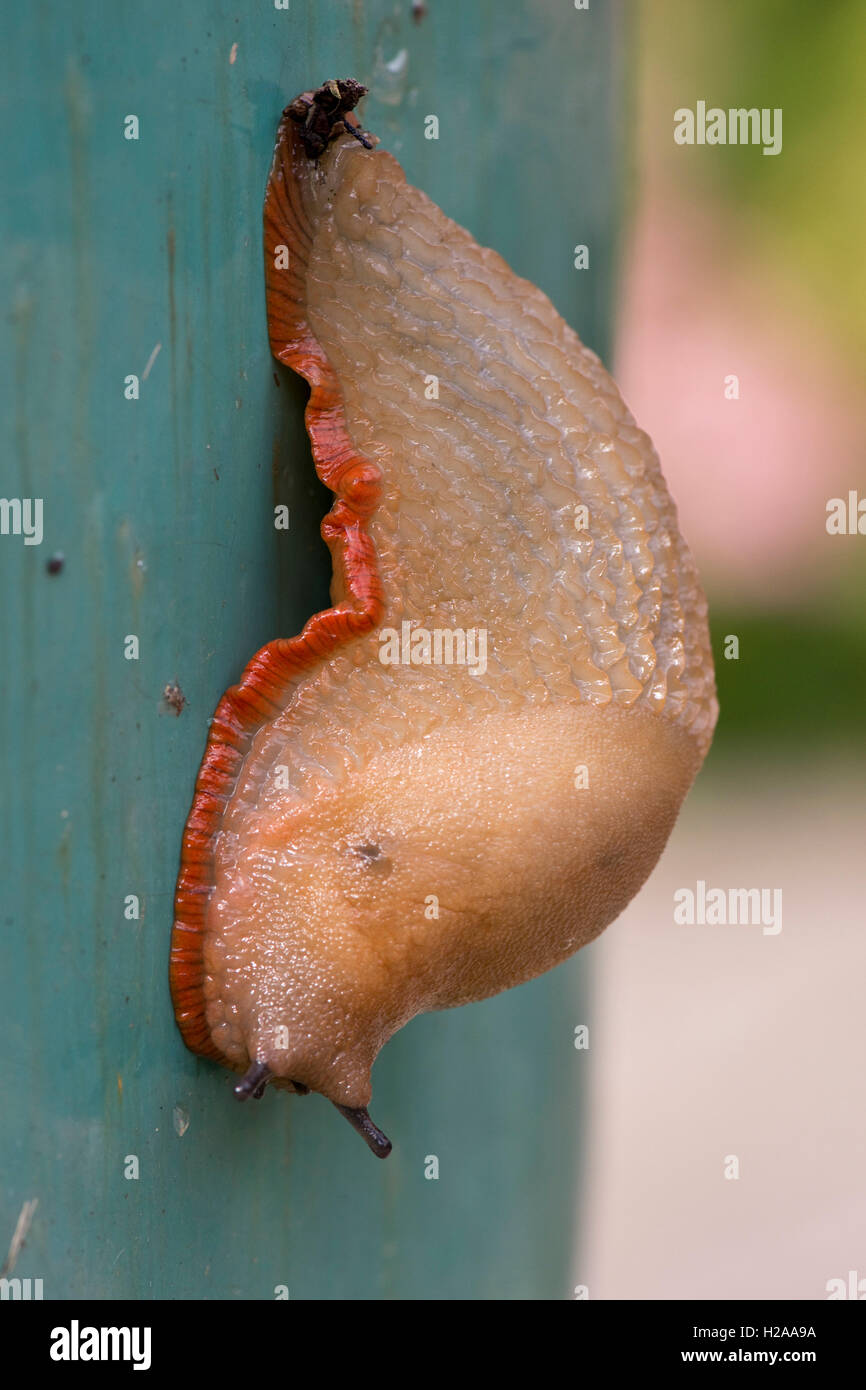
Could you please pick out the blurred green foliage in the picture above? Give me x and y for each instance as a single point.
(807, 206)
(796, 685)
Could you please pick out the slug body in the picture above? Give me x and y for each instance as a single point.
(388, 821)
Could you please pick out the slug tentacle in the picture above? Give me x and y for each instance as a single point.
(376, 1141)
(253, 1082)
(463, 770)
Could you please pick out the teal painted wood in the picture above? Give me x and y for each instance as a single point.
(162, 507)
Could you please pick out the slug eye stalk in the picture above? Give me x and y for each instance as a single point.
(377, 1142)
(253, 1082)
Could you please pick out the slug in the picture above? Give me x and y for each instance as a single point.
(463, 770)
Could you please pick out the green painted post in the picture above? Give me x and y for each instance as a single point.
(119, 255)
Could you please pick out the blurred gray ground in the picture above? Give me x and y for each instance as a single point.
(708, 1041)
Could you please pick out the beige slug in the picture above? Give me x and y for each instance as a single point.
(463, 771)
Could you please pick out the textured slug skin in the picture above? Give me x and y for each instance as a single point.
(369, 841)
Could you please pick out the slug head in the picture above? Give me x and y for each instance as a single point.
(440, 873)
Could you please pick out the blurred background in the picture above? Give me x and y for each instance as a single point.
(716, 1041)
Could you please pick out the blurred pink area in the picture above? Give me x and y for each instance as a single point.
(751, 476)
